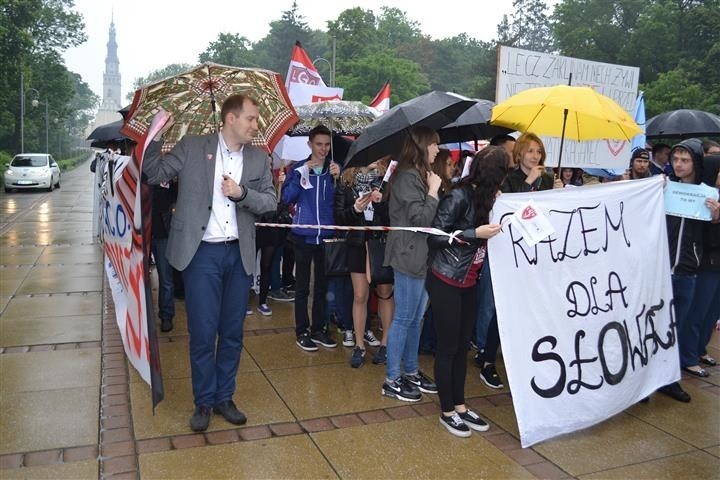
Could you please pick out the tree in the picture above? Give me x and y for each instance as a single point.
(527, 27)
(676, 44)
(273, 51)
(155, 75)
(229, 49)
(367, 74)
(32, 29)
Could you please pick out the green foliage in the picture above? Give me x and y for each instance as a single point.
(527, 27)
(229, 49)
(676, 44)
(155, 75)
(32, 35)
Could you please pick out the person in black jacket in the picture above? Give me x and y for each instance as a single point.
(453, 270)
(685, 246)
(530, 175)
(358, 202)
(706, 301)
(163, 198)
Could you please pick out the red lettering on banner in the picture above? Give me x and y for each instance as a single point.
(318, 98)
(133, 326)
(303, 75)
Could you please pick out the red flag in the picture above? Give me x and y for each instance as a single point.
(381, 102)
(301, 69)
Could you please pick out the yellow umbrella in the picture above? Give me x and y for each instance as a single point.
(579, 113)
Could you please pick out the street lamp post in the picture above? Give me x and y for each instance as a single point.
(35, 102)
(331, 65)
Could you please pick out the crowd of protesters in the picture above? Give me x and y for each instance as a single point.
(406, 273)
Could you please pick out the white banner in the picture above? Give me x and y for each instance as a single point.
(585, 315)
(520, 69)
(124, 259)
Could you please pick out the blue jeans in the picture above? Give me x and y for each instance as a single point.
(166, 287)
(404, 335)
(485, 305)
(217, 287)
(683, 290)
(705, 307)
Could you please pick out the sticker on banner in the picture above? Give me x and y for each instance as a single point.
(532, 223)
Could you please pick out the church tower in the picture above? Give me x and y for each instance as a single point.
(108, 111)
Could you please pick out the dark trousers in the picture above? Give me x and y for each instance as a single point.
(166, 286)
(267, 254)
(216, 296)
(453, 330)
(305, 255)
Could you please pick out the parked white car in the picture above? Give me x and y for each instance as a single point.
(32, 170)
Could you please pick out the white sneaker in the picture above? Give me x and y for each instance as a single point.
(348, 338)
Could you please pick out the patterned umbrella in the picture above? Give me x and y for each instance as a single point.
(342, 117)
(194, 98)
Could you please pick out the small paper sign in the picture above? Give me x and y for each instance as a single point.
(533, 223)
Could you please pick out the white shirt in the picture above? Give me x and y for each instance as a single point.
(222, 225)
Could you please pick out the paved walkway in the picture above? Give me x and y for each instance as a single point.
(70, 407)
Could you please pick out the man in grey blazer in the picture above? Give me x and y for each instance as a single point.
(223, 183)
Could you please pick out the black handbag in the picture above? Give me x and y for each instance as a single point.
(335, 256)
(379, 274)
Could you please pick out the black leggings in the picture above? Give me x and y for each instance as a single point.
(453, 330)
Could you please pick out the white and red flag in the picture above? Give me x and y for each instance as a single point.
(301, 69)
(303, 82)
(381, 102)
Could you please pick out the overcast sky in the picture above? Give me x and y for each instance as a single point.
(154, 33)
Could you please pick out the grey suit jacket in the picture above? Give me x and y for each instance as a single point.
(192, 160)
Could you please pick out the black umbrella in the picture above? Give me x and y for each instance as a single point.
(108, 132)
(472, 125)
(385, 135)
(683, 123)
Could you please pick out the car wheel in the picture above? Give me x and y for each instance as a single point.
(51, 187)
(57, 185)
(8, 190)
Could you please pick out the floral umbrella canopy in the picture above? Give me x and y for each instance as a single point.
(194, 99)
(342, 117)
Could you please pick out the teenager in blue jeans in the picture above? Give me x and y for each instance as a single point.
(413, 201)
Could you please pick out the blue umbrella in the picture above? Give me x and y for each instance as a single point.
(639, 140)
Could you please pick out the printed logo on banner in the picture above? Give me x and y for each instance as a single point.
(585, 314)
(300, 74)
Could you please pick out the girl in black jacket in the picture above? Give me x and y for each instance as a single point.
(452, 274)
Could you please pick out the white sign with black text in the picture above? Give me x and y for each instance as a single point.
(584, 315)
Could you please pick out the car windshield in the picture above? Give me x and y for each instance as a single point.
(30, 161)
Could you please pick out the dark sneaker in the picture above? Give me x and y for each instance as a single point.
(371, 339)
(166, 324)
(422, 382)
(322, 338)
(401, 390)
(455, 425)
(280, 296)
(230, 412)
(474, 421)
(200, 419)
(479, 358)
(348, 338)
(380, 357)
(358, 357)
(675, 391)
(490, 377)
(264, 309)
(289, 289)
(304, 342)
